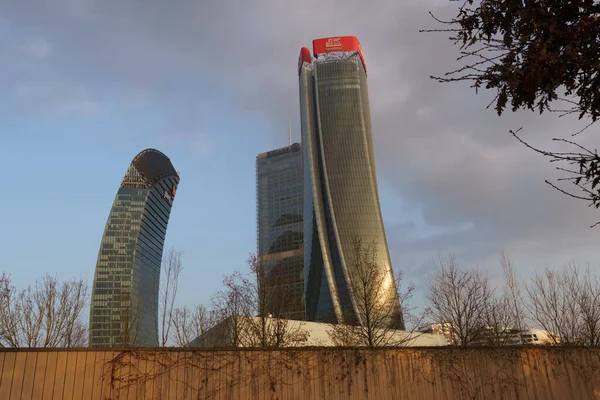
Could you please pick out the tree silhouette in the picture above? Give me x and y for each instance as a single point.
(535, 55)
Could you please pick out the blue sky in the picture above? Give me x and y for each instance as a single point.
(87, 85)
(69, 169)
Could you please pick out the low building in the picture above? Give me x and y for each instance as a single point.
(539, 337)
(499, 337)
(491, 336)
(444, 329)
(244, 331)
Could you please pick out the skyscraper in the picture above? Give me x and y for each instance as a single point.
(124, 306)
(340, 189)
(279, 203)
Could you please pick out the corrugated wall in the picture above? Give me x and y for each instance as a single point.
(432, 373)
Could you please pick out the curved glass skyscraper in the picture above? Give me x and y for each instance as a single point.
(340, 186)
(124, 306)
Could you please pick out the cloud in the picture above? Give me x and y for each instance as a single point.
(469, 186)
(196, 143)
(38, 48)
(53, 99)
(202, 146)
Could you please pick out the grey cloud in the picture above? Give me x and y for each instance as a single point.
(39, 48)
(443, 154)
(55, 98)
(249, 47)
(196, 143)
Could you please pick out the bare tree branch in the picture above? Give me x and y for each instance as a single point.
(527, 51)
(512, 293)
(192, 325)
(461, 299)
(499, 323)
(245, 308)
(533, 54)
(170, 269)
(584, 174)
(378, 312)
(48, 314)
(566, 302)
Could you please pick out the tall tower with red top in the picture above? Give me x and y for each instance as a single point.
(341, 199)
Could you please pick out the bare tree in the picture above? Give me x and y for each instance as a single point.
(499, 324)
(377, 302)
(459, 298)
(589, 307)
(11, 313)
(170, 271)
(411, 319)
(512, 292)
(567, 303)
(268, 300)
(257, 289)
(80, 334)
(553, 306)
(129, 327)
(503, 319)
(48, 314)
(245, 310)
(192, 325)
(344, 335)
(280, 332)
(231, 306)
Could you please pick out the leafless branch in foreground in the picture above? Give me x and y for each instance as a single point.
(503, 320)
(230, 306)
(130, 327)
(377, 302)
(512, 292)
(411, 319)
(499, 325)
(533, 55)
(460, 298)
(170, 270)
(48, 314)
(192, 324)
(245, 308)
(582, 166)
(566, 303)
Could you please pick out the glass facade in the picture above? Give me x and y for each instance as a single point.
(341, 193)
(124, 306)
(279, 200)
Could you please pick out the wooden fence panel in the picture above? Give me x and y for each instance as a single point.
(417, 373)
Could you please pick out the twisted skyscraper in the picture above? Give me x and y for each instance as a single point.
(341, 200)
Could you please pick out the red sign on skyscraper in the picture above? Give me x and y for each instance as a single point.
(338, 44)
